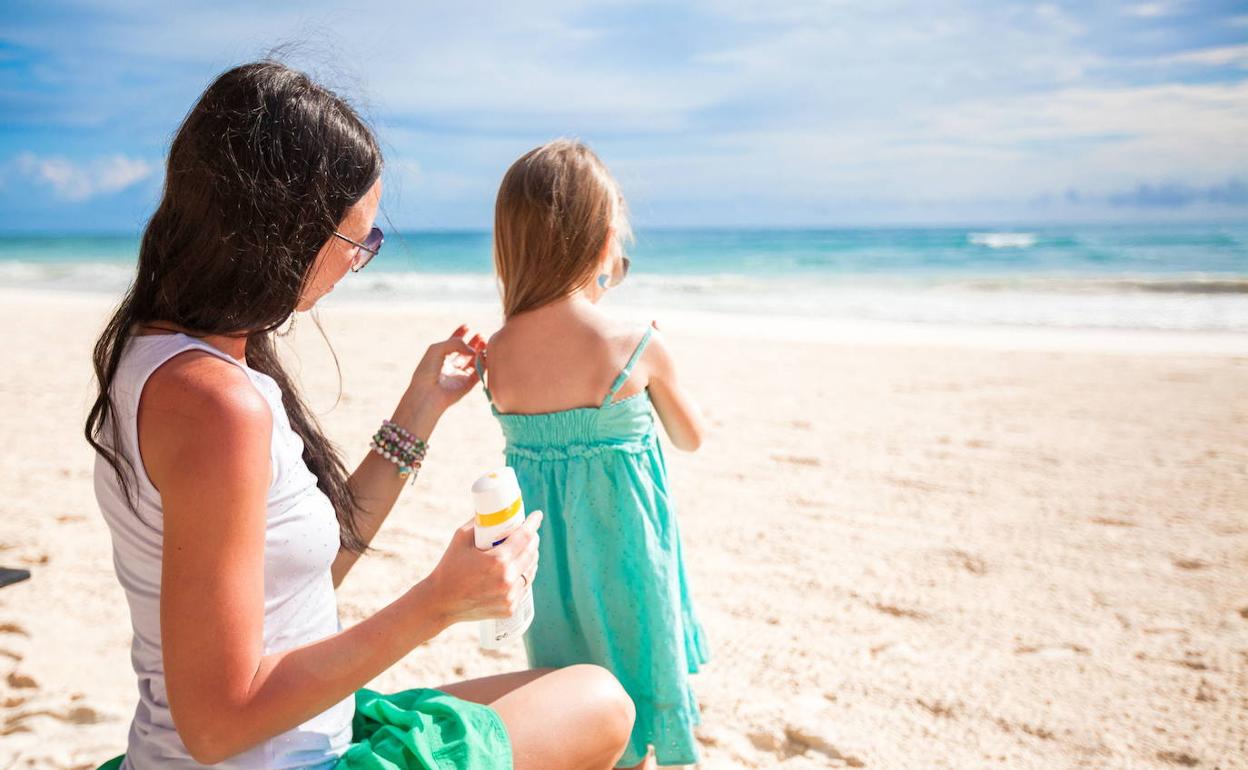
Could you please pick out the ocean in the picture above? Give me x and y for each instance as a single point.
(1175, 277)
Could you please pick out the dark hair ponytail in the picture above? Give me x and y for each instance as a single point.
(261, 171)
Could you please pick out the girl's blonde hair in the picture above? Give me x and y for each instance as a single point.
(556, 208)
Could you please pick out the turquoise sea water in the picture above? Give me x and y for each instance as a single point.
(1138, 276)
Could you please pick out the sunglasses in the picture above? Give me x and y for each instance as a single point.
(364, 250)
(618, 277)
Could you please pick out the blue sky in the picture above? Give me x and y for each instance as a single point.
(710, 113)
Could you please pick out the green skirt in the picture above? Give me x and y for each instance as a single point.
(426, 730)
(419, 730)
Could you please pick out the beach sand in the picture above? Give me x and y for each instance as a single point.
(911, 552)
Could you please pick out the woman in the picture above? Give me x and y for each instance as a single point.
(232, 517)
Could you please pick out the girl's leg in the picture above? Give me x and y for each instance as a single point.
(572, 718)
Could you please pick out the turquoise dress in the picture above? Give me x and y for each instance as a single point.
(611, 587)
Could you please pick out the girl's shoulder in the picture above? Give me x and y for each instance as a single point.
(589, 331)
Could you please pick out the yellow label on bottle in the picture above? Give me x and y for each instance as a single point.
(498, 517)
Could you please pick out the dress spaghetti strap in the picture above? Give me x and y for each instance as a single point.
(479, 361)
(627, 371)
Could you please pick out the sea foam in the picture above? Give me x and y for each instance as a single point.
(1003, 240)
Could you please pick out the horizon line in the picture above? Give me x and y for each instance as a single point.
(901, 225)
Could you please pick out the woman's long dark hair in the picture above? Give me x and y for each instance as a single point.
(260, 173)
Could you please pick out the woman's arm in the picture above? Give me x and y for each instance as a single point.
(204, 437)
(376, 481)
(681, 417)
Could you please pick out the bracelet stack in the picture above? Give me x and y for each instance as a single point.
(399, 447)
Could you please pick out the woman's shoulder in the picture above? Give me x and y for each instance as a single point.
(201, 387)
(198, 411)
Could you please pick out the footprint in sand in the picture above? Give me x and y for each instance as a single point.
(1064, 650)
(77, 715)
(813, 462)
(1180, 758)
(898, 612)
(967, 561)
(82, 715)
(1111, 522)
(1035, 731)
(938, 708)
(1042, 733)
(765, 740)
(916, 484)
(898, 652)
(813, 742)
(1205, 692)
(1190, 564)
(798, 740)
(21, 681)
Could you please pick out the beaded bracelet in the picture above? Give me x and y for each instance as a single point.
(399, 447)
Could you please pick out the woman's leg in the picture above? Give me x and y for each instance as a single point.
(573, 718)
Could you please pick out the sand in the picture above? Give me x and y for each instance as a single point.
(914, 550)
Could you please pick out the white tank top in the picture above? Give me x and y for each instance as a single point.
(300, 543)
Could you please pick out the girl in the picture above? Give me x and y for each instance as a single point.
(232, 516)
(573, 390)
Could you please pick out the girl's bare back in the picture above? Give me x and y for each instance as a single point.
(561, 356)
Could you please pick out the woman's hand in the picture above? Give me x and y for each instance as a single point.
(476, 585)
(445, 373)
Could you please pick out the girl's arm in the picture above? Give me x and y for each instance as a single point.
(376, 480)
(681, 417)
(205, 434)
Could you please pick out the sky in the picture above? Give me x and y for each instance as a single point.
(721, 113)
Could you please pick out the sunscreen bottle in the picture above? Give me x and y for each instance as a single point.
(500, 510)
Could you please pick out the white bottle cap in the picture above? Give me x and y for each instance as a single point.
(494, 494)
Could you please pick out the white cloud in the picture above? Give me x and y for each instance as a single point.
(1104, 140)
(1222, 56)
(80, 181)
(1149, 10)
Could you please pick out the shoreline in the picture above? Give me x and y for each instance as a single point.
(776, 328)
